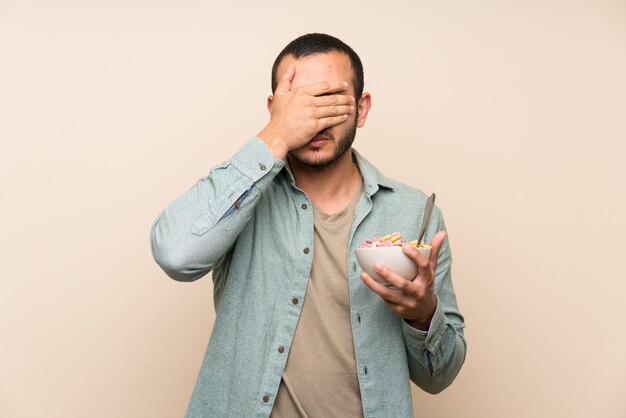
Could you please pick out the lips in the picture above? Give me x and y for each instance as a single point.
(318, 140)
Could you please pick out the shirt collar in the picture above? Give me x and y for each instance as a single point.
(372, 178)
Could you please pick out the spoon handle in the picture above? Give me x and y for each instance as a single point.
(430, 203)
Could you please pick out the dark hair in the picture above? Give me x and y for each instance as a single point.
(319, 43)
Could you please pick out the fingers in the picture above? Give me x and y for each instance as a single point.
(284, 82)
(418, 258)
(333, 109)
(394, 279)
(436, 243)
(324, 87)
(425, 278)
(387, 294)
(333, 100)
(410, 302)
(330, 121)
(327, 111)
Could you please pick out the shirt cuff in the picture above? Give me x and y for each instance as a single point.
(255, 160)
(431, 339)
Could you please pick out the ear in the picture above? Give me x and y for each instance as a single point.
(364, 106)
(270, 100)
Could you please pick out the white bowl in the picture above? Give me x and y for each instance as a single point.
(391, 257)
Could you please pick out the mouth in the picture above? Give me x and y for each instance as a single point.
(319, 140)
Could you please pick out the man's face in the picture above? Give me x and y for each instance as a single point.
(330, 144)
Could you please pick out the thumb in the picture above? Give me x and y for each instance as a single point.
(284, 82)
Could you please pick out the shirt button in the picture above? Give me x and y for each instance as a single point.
(237, 205)
(306, 250)
(266, 398)
(262, 166)
(294, 301)
(304, 206)
(281, 349)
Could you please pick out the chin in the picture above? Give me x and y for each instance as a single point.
(316, 158)
(328, 154)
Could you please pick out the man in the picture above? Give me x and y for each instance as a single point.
(300, 331)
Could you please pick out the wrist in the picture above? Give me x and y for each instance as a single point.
(274, 142)
(423, 323)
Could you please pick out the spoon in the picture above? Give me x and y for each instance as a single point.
(430, 203)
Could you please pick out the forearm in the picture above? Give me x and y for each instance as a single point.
(435, 356)
(437, 352)
(275, 142)
(193, 233)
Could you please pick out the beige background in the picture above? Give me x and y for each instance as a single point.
(512, 111)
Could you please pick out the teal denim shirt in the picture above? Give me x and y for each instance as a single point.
(249, 224)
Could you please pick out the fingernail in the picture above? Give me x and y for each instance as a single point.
(351, 109)
(377, 267)
(345, 83)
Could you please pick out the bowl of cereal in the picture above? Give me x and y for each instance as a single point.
(387, 250)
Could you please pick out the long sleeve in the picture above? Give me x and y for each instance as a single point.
(436, 356)
(197, 229)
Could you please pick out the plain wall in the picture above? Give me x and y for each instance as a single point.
(513, 112)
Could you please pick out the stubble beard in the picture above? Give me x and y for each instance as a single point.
(342, 146)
